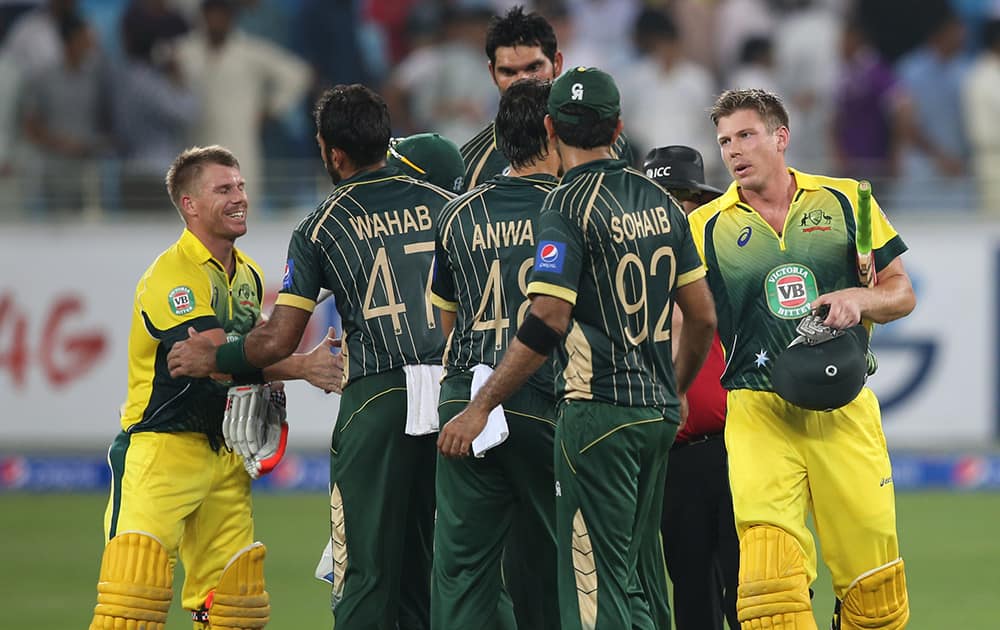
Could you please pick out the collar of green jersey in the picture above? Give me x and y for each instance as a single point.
(383, 172)
(534, 178)
(603, 164)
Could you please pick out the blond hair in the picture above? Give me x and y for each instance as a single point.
(767, 104)
(187, 167)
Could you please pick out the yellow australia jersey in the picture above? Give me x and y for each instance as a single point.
(763, 281)
(185, 287)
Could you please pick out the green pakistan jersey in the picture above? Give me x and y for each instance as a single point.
(483, 159)
(185, 287)
(372, 243)
(763, 282)
(616, 246)
(485, 250)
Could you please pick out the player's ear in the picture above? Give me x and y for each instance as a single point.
(188, 209)
(618, 131)
(781, 136)
(493, 73)
(557, 65)
(550, 130)
(337, 158)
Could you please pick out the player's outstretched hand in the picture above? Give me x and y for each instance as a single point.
(455, 439)
(845, 307)
(192, 357)
(323, 369)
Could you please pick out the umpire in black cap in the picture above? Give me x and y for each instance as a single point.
(699, 532)
(681, 171)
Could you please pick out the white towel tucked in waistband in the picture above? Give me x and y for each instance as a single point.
(495, 431)
(423, 386)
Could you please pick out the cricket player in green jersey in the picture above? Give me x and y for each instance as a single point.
(613, 256)
(371, 243)
(780, 244)
(519, 46)
(485, 250)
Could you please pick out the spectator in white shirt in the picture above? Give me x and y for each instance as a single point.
(981, 104)
(664, 95)
(239, 80)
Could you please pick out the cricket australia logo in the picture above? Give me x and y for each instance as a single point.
(789, 289)
(576, 92)
(816, 221)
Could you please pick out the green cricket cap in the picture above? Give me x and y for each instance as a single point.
(429, 157)
(825, 376)
(590, 87)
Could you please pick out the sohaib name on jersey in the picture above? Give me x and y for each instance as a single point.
(391, 222)
(640, 224)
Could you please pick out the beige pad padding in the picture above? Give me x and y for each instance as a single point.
(877, 599)
(240, 602)
(134, 588)
(773, 592)
(338, 536)
(585, 568)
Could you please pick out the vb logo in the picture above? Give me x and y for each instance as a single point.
(576, 92)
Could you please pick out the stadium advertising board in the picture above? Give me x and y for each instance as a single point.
(66, 300)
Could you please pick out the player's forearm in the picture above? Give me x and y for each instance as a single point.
(447, 322)
(891, 299)
(692, 348)
(288, 369)
(518, 364)
(265, 346)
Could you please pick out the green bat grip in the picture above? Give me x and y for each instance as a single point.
(864, 237)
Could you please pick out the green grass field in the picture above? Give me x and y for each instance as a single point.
(52, 544)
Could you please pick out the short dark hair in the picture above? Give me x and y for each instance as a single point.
(188, 165)
(756, 48)
(589, 132)
(69, 25)
(355, 120)
(518, 28)
(520, 122)
(991, 33)
(653, 25)
(767, 104)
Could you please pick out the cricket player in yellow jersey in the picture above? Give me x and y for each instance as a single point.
(371, 243)
(779, 245)
(175, 489)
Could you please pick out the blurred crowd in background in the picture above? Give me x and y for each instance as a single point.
(98, 96)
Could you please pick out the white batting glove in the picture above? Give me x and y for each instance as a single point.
(244, 405)
(272, 437)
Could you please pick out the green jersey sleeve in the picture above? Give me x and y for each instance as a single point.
(443, 293)
(689, 265)
(302, 280)
(559, 257)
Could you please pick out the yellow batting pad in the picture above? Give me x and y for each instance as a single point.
(773, 592)
(877, 599)
(240, 602)
(134, 588)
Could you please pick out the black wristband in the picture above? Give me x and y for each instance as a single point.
(231, 358)
(538, 335)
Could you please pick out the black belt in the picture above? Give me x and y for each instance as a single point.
(698, 439)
